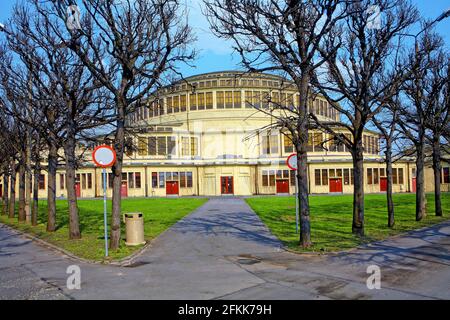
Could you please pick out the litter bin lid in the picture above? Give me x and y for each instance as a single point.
(133, 215)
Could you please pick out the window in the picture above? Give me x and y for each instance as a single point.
(220, 99)
(130, 180)
(237, 101)
(331, 173)
(189, 179)
(274, 144)
(288, 145)
(265, 178)
(182, 179)
(176, 104)
(310, 146)
(183, 102)
(394, 176)
(152, 146)
(201, 101)
(185, 146)
(209, 100)
(256, 99)
(248, 99)
(317, 177)
(162, 180)
(61, 182)
(41, 182)
(89, 180)
(228, 99)
(446, 175)
(154, 179)
(400, 175)
(193, 101)
(324, 177)
(137, 177)
(346, 176)
(318, 140)
(382, 172)
(292, 177)
(162, 146)
(272, 178)
(375, 176)
(169, 105)
(369, 176)
(194, 146)
(142, 146)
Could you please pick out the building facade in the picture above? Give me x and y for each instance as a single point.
(211, 135)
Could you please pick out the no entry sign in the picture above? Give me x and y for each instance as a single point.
(104, 156)
(291, 161)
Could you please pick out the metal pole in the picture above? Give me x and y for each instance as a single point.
(296, 204)
(105, 212)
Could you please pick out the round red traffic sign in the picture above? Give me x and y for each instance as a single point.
(104, 156)
(291, 161)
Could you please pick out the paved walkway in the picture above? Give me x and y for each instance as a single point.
(223, 250)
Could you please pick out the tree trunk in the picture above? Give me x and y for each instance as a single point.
(437, 174)
(5, 194)
(117, 177)
(22, 212)
(12, 194)
(35, 208)
(390, 202)
(420, 179)
(69, 150)
(358, 192)
(51, 187)
(302, 163)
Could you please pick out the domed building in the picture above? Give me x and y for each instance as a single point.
(211, 135)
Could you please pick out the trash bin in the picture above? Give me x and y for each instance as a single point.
(134, 227)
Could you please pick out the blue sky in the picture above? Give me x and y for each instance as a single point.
(216, 55)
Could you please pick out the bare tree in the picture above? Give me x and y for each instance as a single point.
(128, 46)
(421, 93)
(283, 37)
(352, 76)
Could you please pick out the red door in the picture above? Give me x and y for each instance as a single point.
(282, 186)
(383, 184)
(226, 185)
(78, 189)
(414, 185)
(172, 187)
(124, 189)
(335, 185)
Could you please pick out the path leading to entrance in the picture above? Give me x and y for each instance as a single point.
(223, 250)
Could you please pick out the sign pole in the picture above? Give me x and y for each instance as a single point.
(105, 212)
(296, 204)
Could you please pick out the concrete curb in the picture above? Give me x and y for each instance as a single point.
(120, 263)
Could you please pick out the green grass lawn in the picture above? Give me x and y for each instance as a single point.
(331, 219)
(159, 214)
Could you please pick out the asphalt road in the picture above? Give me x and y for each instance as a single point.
(223, 251)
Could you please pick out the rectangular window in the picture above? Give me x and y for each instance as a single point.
(248, 99)
(152, 146)
(130, 180)
(228, 99)
(182, 179)
(265, 146)
(394, 176)
(89, 180)
(194, 146)
(237, 100)
(279, 175)
(273, 144)
(201, 101)
(189, 179)
(169, 105)
(176, 104)
(310, 146)
(162, 180)
(375, 176)
(256, 99)
(400, 175)
(154, 179)
(446, 175)
(62, 185)
(265, 178)
(142, 146)
(382, 172)
(185, 146)
(369, 176)
(83, 181)
(339, 173)
(172, 150)
(272, 178)
(162, 146)
(137, 177)
(288, 145)
(346, 176)
(41, 182)
(220, 99)
(317, 179)
(318, 141)
(331, 173)
(183, 102)
(209, 100)
(324, 177)
(292, 177)
(193, 101)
